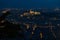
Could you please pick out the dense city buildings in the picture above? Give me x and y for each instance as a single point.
(33, 24)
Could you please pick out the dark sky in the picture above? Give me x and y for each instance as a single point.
(29, 3)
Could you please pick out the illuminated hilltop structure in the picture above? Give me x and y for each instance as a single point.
(30, 13)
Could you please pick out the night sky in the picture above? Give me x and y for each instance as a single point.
(29, 3)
